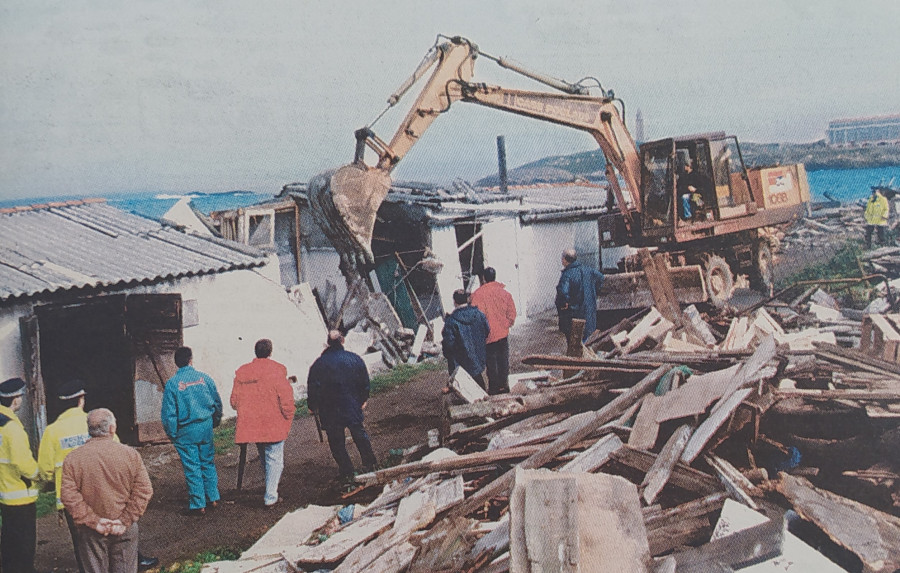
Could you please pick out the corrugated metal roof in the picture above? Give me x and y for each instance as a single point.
(60, 246)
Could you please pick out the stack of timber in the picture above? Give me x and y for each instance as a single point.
(674, 441)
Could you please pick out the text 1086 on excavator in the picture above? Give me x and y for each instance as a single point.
(690, 197)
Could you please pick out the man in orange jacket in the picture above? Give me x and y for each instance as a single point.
(264, 402)
(497, 304)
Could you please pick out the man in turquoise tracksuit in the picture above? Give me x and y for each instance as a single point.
(191, 408)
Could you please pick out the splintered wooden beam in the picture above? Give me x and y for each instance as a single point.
(872, 535)
(658, 518)
(738, 550)
(460, 462)
(683, 476)
(508, 404)
(661, 470)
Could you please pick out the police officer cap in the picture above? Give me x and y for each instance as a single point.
(12, 388)
(71, 390)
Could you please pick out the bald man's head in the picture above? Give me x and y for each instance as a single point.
(101, 422)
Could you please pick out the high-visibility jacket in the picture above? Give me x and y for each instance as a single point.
(69, 431)
(18, 470)
(877, 209)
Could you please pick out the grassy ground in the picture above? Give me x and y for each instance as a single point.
(844, 264)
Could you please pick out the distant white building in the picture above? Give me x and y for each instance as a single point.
(864, 130)
(88, 291)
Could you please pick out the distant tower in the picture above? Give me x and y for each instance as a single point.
(639, 126)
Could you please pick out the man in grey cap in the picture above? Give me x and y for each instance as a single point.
(67, 432)
(18, 496)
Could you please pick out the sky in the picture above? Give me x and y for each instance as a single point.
(101, 96)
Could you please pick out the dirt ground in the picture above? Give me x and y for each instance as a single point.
(398, 418)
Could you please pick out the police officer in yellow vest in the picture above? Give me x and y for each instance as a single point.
(18, 494)
(70, 431)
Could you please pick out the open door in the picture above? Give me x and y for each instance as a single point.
(31, 358)
(153, 323)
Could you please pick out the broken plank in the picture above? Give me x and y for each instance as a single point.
(710, 426)
(695, 508)
(661, 470)
(646, 428)
(848, 394)
(673, 534)
(752, 545)
(341, 543)
(508, 405)
(683, 476)
(872, 535)
(466, 386)
(594, 457)
(733, 480)
(457, 462)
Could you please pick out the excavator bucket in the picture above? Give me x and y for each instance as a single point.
(344, 203)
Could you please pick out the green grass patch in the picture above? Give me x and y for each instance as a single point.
(223, 437)
(844, 264)
(401, 374)
(196, 564)
(46, 503)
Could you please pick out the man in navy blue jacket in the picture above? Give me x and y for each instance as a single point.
(464, 338)
(576, 294)
(338, 389)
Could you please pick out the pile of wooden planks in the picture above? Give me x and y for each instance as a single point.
(671, 442)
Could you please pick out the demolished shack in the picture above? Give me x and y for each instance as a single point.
(89, 291)
(460, 231)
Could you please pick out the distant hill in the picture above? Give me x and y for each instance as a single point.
(591, 165)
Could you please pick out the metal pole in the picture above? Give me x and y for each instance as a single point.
(501, 164)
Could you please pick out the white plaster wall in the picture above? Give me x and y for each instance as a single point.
(541, 247)
(320, 265)
(236, 309)
(11, 365)
(502, 251)
(443, 244)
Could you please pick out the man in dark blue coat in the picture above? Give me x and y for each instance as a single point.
(465, 336)
(576, 294)
(337, 390)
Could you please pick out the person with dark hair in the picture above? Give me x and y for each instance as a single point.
(498, 306)
(576, 294)
(338, 389)
(18, 472)
(106, 489)
(191, 408)
(464, 338)
(264, 401)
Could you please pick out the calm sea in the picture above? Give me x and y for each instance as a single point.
(847, 185)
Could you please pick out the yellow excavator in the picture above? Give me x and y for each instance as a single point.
(691, 196)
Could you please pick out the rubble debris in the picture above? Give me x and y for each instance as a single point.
(701, 423)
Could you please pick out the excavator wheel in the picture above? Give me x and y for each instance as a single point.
(719, 280)
(762, 277)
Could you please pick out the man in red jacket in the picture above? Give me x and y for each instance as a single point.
(498, 306)
(264, 402)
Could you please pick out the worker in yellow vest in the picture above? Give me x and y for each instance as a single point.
(18, 494)
(876, 215)
(70, 431)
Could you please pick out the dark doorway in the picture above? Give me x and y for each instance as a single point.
(87, 340)
(112, 343)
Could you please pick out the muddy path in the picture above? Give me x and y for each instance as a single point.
(397, 418)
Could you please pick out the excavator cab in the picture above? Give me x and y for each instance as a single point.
(691, 183)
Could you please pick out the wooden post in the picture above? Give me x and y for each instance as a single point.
(574, 346)
(242, 462)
